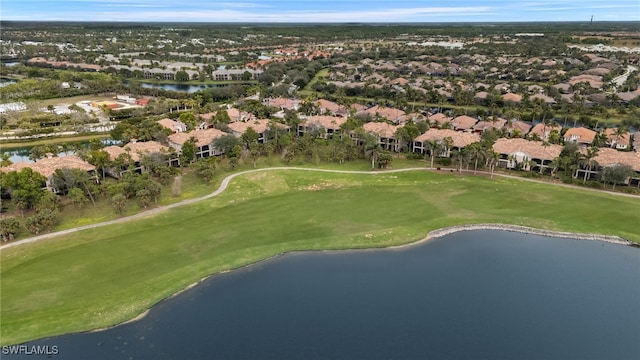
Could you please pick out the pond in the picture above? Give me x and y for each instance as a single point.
(469, 295)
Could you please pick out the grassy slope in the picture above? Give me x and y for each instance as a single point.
(104, 276)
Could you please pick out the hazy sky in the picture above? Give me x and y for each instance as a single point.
(321, 11)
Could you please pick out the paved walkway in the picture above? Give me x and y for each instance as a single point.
(225, 183)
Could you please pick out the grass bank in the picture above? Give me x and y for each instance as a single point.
(100, 277)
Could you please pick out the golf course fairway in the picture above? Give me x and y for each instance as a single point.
(100, 277)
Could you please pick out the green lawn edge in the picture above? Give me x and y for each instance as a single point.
(142, 260)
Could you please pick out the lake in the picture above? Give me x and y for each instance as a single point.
(469, 295)
(183, 87)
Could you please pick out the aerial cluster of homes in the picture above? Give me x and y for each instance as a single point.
(533, 153)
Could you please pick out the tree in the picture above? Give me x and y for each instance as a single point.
(434, 147)
(189, 118)
(100, 159)
(119, 202)
(44, 220)
(189, 149)
(587, 160)
(9, 227)
(144, 197)
(205, 168)
(5, 160)
(25, 187)
(616, 174)
(476, 153)
(384, 159)
(371, 148)
(182, 75)
(250, 136)
(77, 197)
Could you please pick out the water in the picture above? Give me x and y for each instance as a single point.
(182, 87)
(6, 81)
(470, 295)
(21, 154)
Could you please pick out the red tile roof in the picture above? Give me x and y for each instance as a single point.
(47, 166)
(460, 139)
(533, 149)
(383, 130)
(463, 122)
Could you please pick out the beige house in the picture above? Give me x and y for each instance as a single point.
(204, 139)
(259, 126)
(48, 166)
(463, 123)
(459, 140)
(385, 133)
(526, 155)
(137, 150)
(324, 126)
(580, 135)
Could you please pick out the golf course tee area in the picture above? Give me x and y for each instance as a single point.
(100, 277)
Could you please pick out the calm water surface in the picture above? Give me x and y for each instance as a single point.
(470, 295)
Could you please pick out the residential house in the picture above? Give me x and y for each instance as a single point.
(330, 108)
(259, 126)
(636, 141)
(493, 123)
(439, 119)
(396, 116)
(173, 125)
(542, 131)
(580, 135)
(620, 142)
(48, 166)
(512, 98)
(235, 74)
(137, 150)
(385, 133)
(611, 157)
(282, 103)
(322, 126)
(459, 140)
(517, 128)
(204, 139)
(463, 123)
(543, 98)
(526, 155)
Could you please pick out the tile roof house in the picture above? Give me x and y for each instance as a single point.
(385, 134)
(515, 127)
(259, 126)
(511, 97)
(204, 139)
(580, 135)
(517, 153)
(542, 131)
(396, 116)
(330, 108)
(439, 119)
(137, 150)
(484, 125)
(173, 125)
(282, 103)
(620, 142)
(636, 141)
(325, 125)
(48, 166)
(463, 123)
(611, 157)
(460, 140)
(544, 98)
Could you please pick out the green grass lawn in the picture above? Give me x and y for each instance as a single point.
(100, 277)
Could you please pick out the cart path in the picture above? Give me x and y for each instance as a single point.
(227, 180)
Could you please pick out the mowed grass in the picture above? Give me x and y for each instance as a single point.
(101, 277)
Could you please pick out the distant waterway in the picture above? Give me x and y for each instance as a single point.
(468, 295)
(21, 154)
(6, 81)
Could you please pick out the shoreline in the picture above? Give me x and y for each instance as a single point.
(434, 234)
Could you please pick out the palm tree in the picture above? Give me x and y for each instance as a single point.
(371, 149)
(587, 159)
(476, 153)
(433, 146)
(619, 132)
(492, 160)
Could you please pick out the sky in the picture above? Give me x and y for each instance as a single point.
(324, 11)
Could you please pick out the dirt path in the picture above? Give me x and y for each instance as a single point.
(225, 183)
